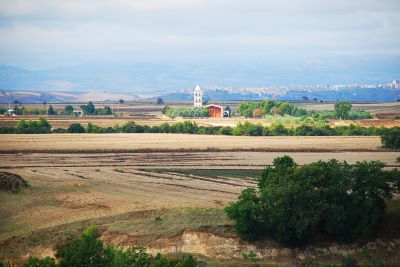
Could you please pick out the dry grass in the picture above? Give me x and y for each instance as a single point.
(181, 142)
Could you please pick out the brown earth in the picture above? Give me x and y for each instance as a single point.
(63, 143)
(167, 211)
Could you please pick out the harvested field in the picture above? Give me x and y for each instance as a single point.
(181, 160)
(156, 190)
(64, 143)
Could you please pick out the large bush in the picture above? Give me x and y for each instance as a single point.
(89, 251)
(294, 203)
(186, 112)
(391, 138)
(33, 127)
(270, 107)
(76, 128)
(342, 109)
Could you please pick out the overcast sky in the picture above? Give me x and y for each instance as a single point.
(49, 33)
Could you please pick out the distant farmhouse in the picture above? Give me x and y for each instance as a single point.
(216, 111)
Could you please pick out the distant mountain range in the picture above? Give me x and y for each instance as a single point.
(348, 94)
(101, 82)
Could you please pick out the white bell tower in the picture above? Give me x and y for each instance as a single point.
(198, 97)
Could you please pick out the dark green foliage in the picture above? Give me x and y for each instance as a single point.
(248, 129)
(51, 111)
(89, 251)
(33, 127)
(247, 212)
(294, 203)
(104, 111)
(391, 138)
(35, 262)
(18, 110)
(68, 110)
(186, 112)
(225, 131)
(348, 261)
(342, 109)
(160, 101)
(59, 130)
(89, 109)
(76, 128)
(270, 107)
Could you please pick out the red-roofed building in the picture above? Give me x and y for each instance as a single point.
(216, 111)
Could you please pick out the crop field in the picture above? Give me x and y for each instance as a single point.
(183, 142)
(163, 191)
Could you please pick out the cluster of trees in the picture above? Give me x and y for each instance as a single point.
(41, 126)
(343, 110)
(186, 112)
(269, 107)
(355, 114)
(88, 109)
(293, 204)
(89, 251)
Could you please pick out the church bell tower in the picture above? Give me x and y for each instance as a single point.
(198, 97)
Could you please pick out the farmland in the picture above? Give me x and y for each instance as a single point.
(165, 191)
(156, 190)
(150, 113)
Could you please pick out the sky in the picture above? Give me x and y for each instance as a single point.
(43, 34)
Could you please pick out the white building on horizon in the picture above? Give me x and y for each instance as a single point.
(198, 97)
(395, 84)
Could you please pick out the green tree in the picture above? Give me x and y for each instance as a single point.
(342, 109)
(86, 251)
(89, 251)
(391, 138)
(89, 109)
(68, 110)
(76, 128)
(51, 111)
(35, 262)
(293, 203)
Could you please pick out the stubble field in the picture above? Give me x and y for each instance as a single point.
(163, 191)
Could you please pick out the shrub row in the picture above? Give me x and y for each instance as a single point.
(186, 112)
(390, 136)
(89, 251)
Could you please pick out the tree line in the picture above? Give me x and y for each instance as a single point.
(390, 136)
(88, 109)
(342, 110)
(295, 204)
(89, 251)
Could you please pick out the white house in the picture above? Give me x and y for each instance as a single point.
(198, 97)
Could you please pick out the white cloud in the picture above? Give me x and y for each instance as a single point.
(77, 30)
